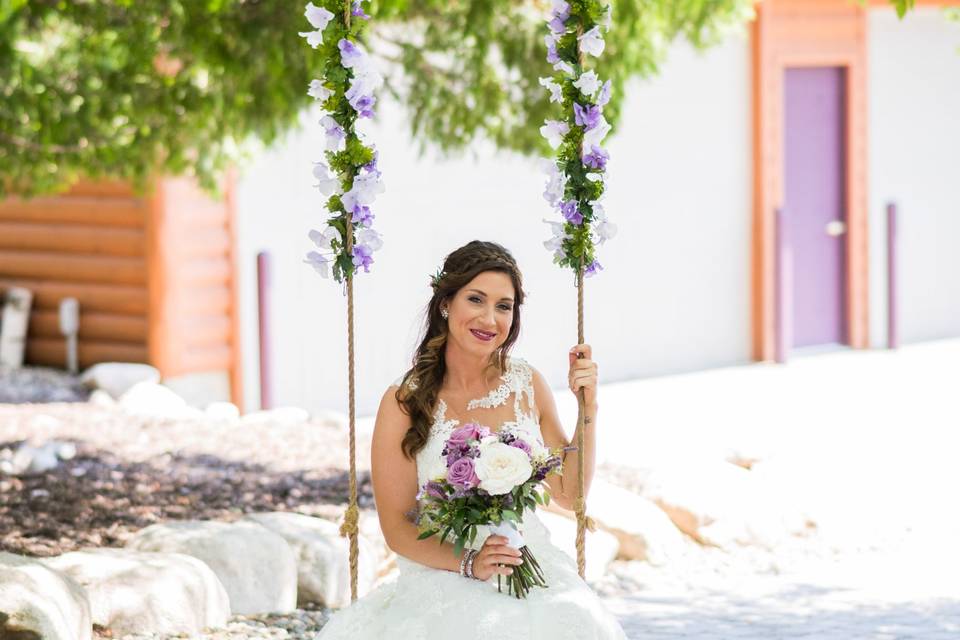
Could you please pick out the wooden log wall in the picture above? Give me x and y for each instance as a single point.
(154, 275)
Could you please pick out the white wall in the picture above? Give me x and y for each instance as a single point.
(914, 118)
(674, 297)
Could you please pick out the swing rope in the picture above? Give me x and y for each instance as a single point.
(580, 506)
(349, 527)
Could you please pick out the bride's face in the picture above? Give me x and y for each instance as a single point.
(481, 313)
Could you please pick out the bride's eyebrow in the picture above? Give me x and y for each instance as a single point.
(504, 299)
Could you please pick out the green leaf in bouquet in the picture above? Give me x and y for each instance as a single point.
(427, 534)
(509, 514)
(458, 546)
(446, 532)
(475, 515)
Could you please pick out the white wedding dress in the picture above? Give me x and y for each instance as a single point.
(424, 603)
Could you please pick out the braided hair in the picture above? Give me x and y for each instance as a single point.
(420, 386)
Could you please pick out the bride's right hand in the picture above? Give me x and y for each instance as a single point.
(495, 558)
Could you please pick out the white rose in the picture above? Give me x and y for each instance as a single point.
(501, 467)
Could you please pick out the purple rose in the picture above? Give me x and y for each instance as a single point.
(521, 444)
(466, 433)
(462, 474)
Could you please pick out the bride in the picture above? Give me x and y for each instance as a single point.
(462, 373)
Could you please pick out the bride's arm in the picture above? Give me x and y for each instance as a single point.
(563, 488)
(395, 489)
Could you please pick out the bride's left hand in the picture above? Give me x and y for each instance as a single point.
(583, 373)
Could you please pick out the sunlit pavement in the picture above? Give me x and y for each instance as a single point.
(867, 441)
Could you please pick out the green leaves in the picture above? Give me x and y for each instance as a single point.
(128, 88)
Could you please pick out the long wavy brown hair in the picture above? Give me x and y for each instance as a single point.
(420, 387)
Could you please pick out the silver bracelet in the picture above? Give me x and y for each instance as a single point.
(463, 563)
(473, 556)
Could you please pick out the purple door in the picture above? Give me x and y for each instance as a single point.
(814, 202)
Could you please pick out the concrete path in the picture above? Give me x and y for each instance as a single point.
(872, 440)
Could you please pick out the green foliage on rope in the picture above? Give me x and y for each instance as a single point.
(125, 88)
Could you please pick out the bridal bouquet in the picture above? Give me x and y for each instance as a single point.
(488, 479)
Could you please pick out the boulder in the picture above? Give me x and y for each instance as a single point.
(724, 505)
(223, 412)
(602, 547)
(134, 591)
(257, 567)
(644, 530)
(116, 378)
(152, 400)
(323, 561)
(38, 603)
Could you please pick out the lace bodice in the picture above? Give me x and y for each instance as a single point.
(516, 382)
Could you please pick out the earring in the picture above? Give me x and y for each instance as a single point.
(444, 314)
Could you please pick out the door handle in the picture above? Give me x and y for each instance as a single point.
(836, 228)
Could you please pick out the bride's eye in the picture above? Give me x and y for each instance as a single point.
(506, 307)
(474, 299)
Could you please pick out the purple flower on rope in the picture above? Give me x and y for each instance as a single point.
(357, 10)
(551, 41)
(561, 9)
(604, 96)
(348, 52)
(587, 117)
(569, 210)
(596, 158)
(362, 215)
(363, 105)
(371, 167)
(557, 25)
(362, 257)
(593, 269)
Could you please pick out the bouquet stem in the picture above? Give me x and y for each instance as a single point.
(524, 576)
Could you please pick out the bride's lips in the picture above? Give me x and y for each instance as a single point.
(486, 336)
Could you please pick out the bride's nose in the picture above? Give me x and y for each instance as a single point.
(489, 317)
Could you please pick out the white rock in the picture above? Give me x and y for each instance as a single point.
(256, 566)
(281, 416)
(721, 504)
(645, 532)
(100, 398)
(134, 591)
(29, 459)
(116, 378)
(152, 400)
(35, 598)
(602, 547)
(223, 411)
(322, 557)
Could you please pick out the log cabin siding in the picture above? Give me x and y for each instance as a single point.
(153, 274)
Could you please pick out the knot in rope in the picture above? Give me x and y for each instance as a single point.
(350, 520)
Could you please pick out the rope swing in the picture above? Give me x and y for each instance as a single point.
(351, 182)
(575, 179)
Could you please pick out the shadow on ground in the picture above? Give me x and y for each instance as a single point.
(100, 499)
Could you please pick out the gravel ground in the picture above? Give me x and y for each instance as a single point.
(132, 471)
